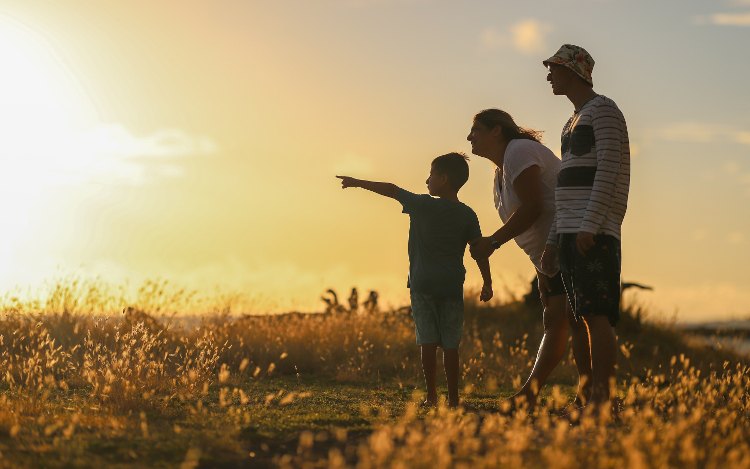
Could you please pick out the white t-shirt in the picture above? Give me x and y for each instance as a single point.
(521, 154)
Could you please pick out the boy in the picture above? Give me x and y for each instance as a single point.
(439, 230)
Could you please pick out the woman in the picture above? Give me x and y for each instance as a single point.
(525, 180)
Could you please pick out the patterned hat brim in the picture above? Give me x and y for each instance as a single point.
(567, 64)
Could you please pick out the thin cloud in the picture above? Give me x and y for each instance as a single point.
(697, 132)
(527, 37)
(109, 151)
(734, 171)
(117, 140)
(742, 137)
(699, 234)
(735, 237)
(730, 19)
(741, 19)
(731, 167)
(732, 237)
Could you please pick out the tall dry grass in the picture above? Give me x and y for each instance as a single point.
(132, 356)
(696, 422)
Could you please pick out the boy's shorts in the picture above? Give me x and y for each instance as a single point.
(437, 320)
(592, 281)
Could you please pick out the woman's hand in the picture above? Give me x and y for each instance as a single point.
(481, 248)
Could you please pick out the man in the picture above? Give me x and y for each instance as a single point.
(590, 202)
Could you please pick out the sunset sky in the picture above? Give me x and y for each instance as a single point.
(198, 141)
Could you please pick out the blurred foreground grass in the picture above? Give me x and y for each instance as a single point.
(84, 384)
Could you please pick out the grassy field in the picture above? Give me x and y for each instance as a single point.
(83, 384)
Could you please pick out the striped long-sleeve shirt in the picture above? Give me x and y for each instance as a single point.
(592, 186)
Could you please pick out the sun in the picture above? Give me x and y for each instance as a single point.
(42, 101)
(42, 106)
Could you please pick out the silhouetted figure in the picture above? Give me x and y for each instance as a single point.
(626, 285)
(354, 300)
(371, 304)
(134, 316)
(440, 227)
(526, 173)
(332, 303)
(591, 199)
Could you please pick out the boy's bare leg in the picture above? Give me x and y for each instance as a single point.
(581, 354)
(450, 363)
(551, 349)
(603, 357)
(429, 367)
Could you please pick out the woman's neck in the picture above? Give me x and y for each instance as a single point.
(497, 155)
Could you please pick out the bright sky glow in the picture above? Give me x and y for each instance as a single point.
(197, 141)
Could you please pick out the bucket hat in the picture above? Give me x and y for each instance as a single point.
(575, 58)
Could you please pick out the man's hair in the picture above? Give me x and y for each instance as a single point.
(455, 167)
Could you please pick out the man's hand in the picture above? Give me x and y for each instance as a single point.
(549, 258)
(487, 293)
(481, 248)
(347, 181)
(584, 242)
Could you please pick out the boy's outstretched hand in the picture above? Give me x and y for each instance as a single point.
(347, 181)
(486, 294)
(383, 188)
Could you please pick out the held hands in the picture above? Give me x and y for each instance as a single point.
(481, 248)
(347, 182)
(487, 293)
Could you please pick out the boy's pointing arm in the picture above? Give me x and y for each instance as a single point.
(383, 188)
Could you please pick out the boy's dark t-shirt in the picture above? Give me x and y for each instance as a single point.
(439, 231)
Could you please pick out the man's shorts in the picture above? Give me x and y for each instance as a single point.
(592, 281)
(437, 320)
(555, 284)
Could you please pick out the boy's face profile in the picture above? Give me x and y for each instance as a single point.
(437, 183)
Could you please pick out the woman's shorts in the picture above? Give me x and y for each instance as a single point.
(555, 284)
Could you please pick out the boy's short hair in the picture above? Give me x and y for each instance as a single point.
(455, 167)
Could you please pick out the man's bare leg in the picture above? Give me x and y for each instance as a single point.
(581, 354)
(603, 357)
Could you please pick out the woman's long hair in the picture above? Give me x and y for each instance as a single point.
(492, 118)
